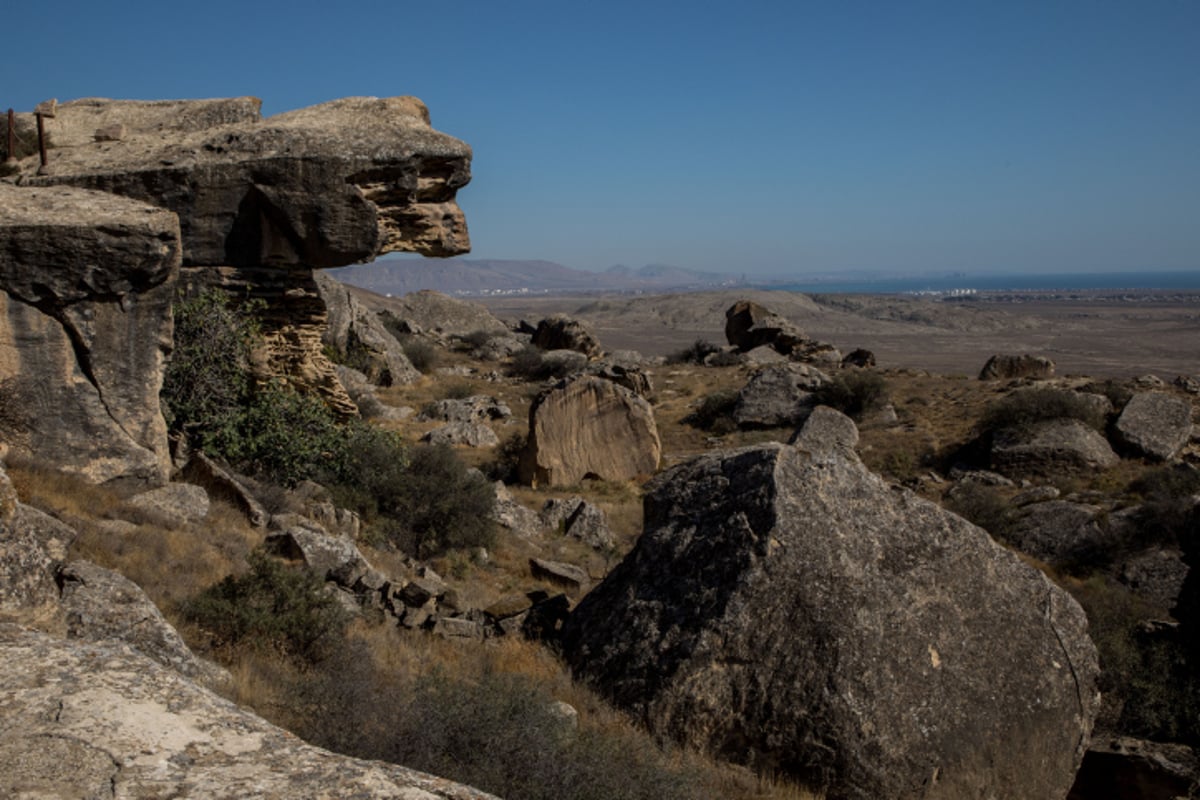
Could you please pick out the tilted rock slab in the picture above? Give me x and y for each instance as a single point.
(354, 330)
(85, 328)
(333, 184)
(99, 720)
(1155, 425)
(589, 427)
(787, 608)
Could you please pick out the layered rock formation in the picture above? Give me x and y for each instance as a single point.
(588, 427)
(257, 204)
(787, 608)
(85, 329)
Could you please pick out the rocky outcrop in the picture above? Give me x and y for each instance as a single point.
(749, 325)
(28, 592)
(360, 337)
(468, 434)
(1058, 531)
(476, 408)
(1050, 447)
(778, 395)
(786, 607)
(561, 332)
(85, 328)
(1125, 768)
(579, 519)
(1154, 425)
(123, 725)
(333, 184)
(1007, 367)
(437, 314)
(589, 428)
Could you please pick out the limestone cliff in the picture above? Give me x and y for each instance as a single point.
(91, 248)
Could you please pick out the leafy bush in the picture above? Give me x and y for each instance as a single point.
(506, 459)
(854, 392)
(715, 412)
(273, 605)
(207, 381)
(439, 504)
(695, 353)
(531, 364)
(1025, 407)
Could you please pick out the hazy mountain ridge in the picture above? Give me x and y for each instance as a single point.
(460, 276)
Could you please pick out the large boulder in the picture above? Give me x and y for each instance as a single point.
(87, 281)
(561, 332)
(333, 184)
(589, 428)
(360, 336)
(788, 608)
(28, 593)
(1155, 425)
(1059, 532)
(749, 325)
(1006, 366)
(98, 719)
(778, 395)
(1050, 447)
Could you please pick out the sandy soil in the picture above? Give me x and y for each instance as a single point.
(1085, 334)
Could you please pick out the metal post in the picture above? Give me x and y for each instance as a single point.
(41, 140)
(12, 137)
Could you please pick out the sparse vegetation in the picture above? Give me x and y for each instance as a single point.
(854, 392)
(1025, 407)
(440, 504)
(695, 353)
(714, 413)
(531, 364)
(272, 605)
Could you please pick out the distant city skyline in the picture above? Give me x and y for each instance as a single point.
(769, 138)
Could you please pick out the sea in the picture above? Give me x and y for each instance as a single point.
(962, 283)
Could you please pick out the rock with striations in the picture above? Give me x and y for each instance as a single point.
(787, 608)
(778, 395)
(100, 720)
(561, 332)
(359, 335)
(1006, 367)
(332, 184)
(1049, 448)
(87, 281)
(589, 428)
(1154, 425)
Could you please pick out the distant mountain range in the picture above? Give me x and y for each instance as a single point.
(476, 277)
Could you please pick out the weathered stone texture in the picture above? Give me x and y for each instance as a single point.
(91, 719)
(1155, 425)
(787, 608)
(589, 427)
(325, 186)
(85, 326)
(1006, 366)
(1050, 447)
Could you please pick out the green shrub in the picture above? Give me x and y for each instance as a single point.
(272, 605)
(715, 412)
(506, 459)
(854, 392)
(207, 382)
(439, 504)
(1026, 407)
(695, 353)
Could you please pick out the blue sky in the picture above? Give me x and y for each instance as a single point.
(761, 137)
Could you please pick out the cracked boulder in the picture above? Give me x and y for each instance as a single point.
(787, 608)
(87, 281)
(333, 184)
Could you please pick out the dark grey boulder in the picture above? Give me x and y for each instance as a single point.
(1058, 531)
(787, 608)
(1049, 448)
(1155, 425)
(561, 332)
(777, 396)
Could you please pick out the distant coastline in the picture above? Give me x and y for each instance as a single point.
(961, 283)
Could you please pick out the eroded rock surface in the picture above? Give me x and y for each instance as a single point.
(788, 608)
(95, 719)
(1007, 366)
(1155, 425)
(85, 327)
(1050, 447)
(333, 184)
(589, 427)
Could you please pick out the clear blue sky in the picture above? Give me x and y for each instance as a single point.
(760, 137)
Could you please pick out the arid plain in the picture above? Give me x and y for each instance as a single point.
(1100, 334)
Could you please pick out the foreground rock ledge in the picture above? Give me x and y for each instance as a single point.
(101, 721)
(786, 607)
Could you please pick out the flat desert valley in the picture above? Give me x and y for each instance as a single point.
(1100, 334)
